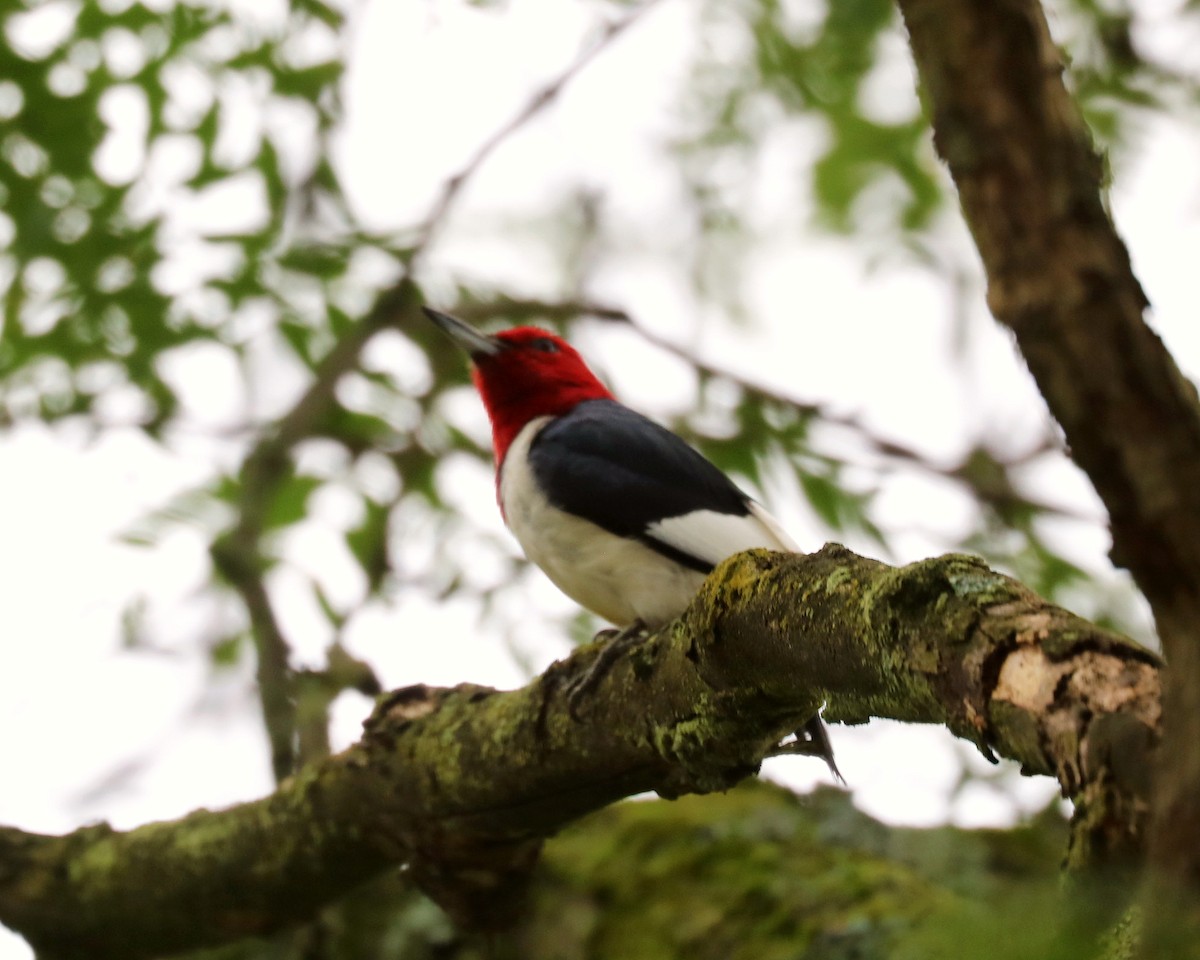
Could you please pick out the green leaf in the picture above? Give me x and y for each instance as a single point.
(298, 336)
(336, 619)
(325, 12)
(326, 262)
(368, 542)
(310, 82)
(290, 503)
(825, 497)
(226, 653)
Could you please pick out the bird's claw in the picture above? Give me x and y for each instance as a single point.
(812, 740)
(616, 643)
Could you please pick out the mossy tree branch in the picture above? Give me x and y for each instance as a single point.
(462, 785)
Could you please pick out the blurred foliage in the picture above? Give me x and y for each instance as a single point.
(757, 873)
(167, 185)
(120, 130)
(125, 125)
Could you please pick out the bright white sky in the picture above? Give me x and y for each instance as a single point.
(88, 731)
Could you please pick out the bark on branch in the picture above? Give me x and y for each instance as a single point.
(462, 785)
(1060, 278)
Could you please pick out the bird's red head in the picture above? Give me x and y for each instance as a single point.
(522, 374)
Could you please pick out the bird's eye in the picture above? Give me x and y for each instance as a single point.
(544, 344)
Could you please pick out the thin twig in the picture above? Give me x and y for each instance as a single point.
(820, 411)
(238, 554)
(884, 447)
(541, 99)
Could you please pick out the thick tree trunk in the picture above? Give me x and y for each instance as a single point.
(1060, 278)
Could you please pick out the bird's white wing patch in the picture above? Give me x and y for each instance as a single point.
(712, 536)
(783, 540)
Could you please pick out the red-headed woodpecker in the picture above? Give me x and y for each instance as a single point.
(619, 512)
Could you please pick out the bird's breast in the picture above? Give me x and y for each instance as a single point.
(617, 578)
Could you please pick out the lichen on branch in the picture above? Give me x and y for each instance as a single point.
(463, 785)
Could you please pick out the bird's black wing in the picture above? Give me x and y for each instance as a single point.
(626, 474)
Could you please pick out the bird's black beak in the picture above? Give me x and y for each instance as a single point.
(466, 336)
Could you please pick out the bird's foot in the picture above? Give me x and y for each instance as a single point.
(812, 740)
(616, 643)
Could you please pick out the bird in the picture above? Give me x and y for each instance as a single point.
(623, 516)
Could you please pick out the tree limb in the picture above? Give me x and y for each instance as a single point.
(1060, 278)
(238, 553)
(462, 785)
(545, 95)
(990, 486)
